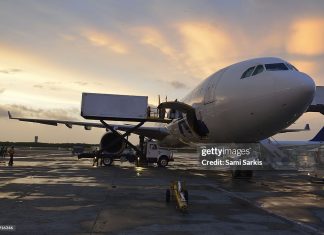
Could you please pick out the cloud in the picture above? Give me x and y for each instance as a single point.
(312, 68)
(3, 112)
(307, 37)
(104, 40)
(54, 86)
(305, 66)
(81, 83)
(207, 47)
(68, 37)
(162, 43)
(2, 90)
(195, 48)
(153, 37)
(175, 84)
(178, 85)
(26, 111)
(10, 71)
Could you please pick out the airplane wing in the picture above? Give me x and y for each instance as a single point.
(318, 102)
(306, 128)
(302, 146)
(314, 144)
(150, 132)
(319, 136)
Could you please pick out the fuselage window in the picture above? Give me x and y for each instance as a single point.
(258, 69)
(247, 73)
(276, 67)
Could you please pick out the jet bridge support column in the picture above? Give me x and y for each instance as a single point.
(124, 136)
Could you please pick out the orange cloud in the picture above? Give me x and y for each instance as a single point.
(104, 40)
(67, 37)
(152, 37)
(311, 68)
(42, 82)
(204, 48)
(305, 66)
(307, 37)
(24, 60)
(207, 48)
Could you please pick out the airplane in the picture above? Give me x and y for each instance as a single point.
(316, 142)
(297, 154)
(245, 102)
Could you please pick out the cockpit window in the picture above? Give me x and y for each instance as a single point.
(276, 67)
(258, 69)
(291, 67)
(247, 72)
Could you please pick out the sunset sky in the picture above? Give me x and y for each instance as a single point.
(52, 51)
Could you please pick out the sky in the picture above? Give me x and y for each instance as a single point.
(52, 51)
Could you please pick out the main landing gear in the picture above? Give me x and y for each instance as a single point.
(242, 174)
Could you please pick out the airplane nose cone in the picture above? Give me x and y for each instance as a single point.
(295, 92)
(305, 86)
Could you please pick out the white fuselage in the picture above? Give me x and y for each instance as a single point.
(249, 109)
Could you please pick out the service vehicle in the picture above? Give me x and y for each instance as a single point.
(153, 153)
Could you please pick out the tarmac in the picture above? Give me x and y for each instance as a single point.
(51, 192)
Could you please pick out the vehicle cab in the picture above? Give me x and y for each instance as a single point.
(155, 154)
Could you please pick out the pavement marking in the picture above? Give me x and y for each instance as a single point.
(307, 228)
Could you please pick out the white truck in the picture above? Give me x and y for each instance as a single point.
(155, 154)
(152, 152)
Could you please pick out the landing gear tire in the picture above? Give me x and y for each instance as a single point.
(246, 174)
(167, 195)
(107, 161)
(163, 161)
(186, 195)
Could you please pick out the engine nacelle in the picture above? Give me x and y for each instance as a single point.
(108, 139)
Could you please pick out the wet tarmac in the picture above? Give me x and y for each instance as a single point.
(51, 192)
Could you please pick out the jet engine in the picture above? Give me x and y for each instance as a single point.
(109, 142)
